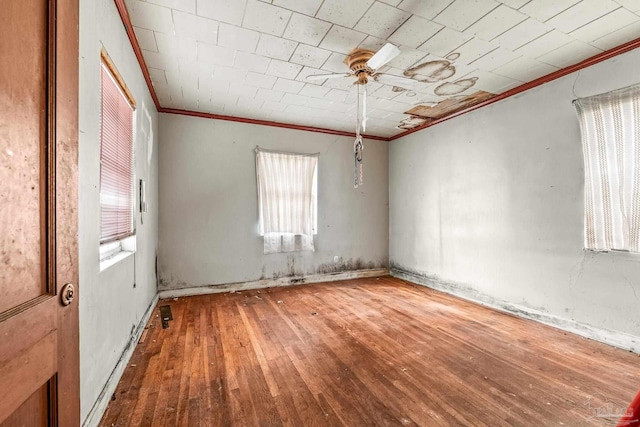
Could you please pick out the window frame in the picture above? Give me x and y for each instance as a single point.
(123, 242)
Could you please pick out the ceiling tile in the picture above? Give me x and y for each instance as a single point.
(283, 69)
(308, 7)
(372, 43)
(632, 5)
(444, 41)
(381, 20)
(220, 87)
(259, 80)
(228, 74)
(251, 62)
(522, 34)
(223, 98)
(618, 37)
(146, 39)
(249, 103)
(342, 40)
(293, 99)
(514, 4)
(265, 18)
(425, 9)
(275, 47)
(309, 71)
(188, 6)
(569, 54)
(337, 95)
(195, 27)
(544, 44)
(237, 38)
(581, 14)
(157, 75)
(318, 103)
(391, 2)
(494, 83)
(177, 47)
(341, 12)
(542, 10)
(407, 58)
(150, 17)
(305, 29)
(524, 69)
(274, 106)
(461, 14)
(227, 11)
(496, 22)
(336, 63)
(414, 32)
(243, 90)
(495, 59)
(309, 56)
(269, 95)
(314, 90)
(212, 54)
(287, 85)
(619, 18)
(157, 60)
(474, 49)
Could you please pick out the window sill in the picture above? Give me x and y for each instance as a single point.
(114, 259)
(114, 252)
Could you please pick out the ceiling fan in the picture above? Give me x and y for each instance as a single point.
(363, 65)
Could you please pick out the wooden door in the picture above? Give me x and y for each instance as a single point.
(39, 374)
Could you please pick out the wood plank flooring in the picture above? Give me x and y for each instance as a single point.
(364, 352)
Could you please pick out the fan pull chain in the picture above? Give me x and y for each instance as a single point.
(364, 110)
(357, 147)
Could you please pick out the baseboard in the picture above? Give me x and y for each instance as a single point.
(614, 338)
(97, 411)
(272, 283)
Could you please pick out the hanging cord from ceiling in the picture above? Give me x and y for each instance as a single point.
(358, 146)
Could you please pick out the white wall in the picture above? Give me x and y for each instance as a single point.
(110, 306)
(208, 204)
(490, 206)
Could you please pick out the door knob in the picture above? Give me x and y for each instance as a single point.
(67, 293)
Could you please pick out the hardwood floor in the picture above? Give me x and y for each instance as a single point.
(364, 352)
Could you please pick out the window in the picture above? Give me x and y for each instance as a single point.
(287, 200)
(610, 127)
(117, 195)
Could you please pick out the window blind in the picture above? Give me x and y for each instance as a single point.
(117, 194)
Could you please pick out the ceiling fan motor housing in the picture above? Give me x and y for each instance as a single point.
(357, 63)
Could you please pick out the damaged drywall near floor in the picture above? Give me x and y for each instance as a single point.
(539, 314)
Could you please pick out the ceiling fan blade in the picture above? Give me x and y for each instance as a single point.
(391, 80)
(327, 76)
(384, 55)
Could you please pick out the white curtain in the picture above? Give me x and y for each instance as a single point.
(286, 200)
(610, 126)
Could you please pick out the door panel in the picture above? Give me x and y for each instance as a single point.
(23, 55)
(38, 212)
(34, 412)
